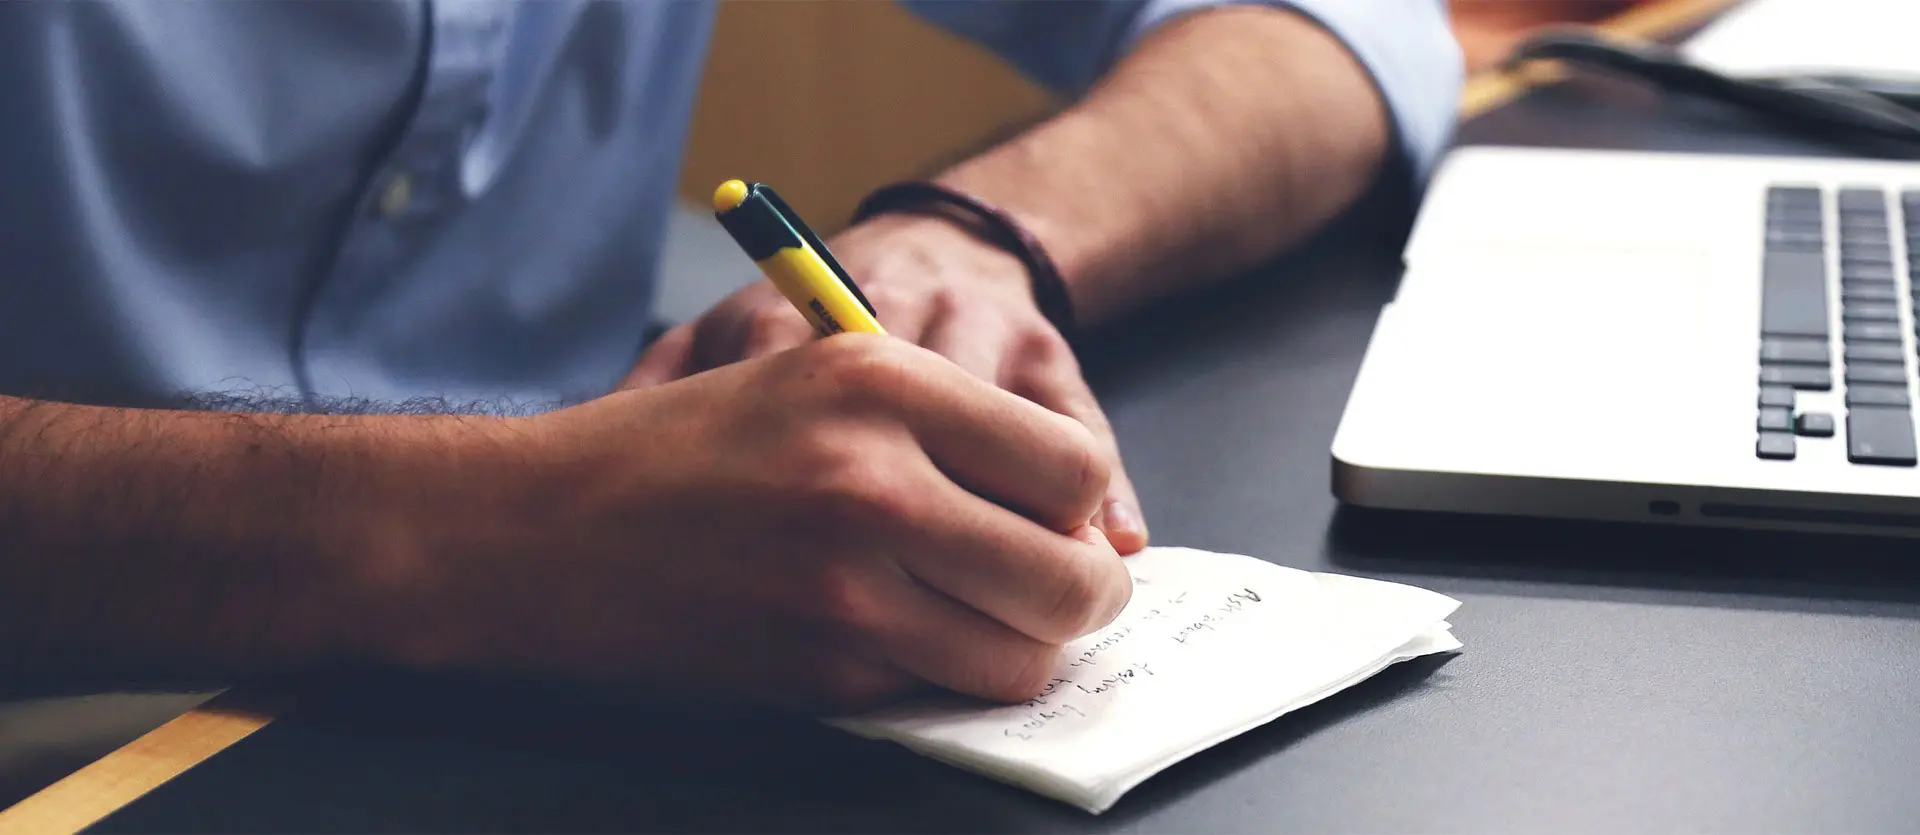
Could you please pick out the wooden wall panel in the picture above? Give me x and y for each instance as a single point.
(826, 99)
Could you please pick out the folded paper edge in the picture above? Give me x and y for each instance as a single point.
(1435, 640)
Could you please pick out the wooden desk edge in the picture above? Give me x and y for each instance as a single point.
(89, 795)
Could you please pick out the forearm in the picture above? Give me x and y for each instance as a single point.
(200, 542)
(1220, 141)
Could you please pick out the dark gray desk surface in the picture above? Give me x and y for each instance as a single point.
(1614, 680)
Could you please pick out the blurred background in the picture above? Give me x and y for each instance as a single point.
(874, 94)
(868, 93)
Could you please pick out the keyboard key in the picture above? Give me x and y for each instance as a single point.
(1803, 377)
(1796, 241)
(1880, 435)
(1798, 351)
(1794, 199)
(1813, 425)
(1873, 352)
(1798, 220)
(1876, 396)
(1794, 295)
(1776, 420)
(1779, 397)
(1782, 227)
(1870, 312)
(1775, 446)
(1864, 271)
(1861, 199)
(1873, 331)
(1869, 291)
(1892, 374)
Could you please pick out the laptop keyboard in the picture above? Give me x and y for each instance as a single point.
(1876, 363)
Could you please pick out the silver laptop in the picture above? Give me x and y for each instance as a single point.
(1683, 338)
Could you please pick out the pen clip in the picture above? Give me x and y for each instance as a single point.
(819, 246)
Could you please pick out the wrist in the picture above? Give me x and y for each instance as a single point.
(447, 493)
(990, 227)
(939, 246)
(345, 531)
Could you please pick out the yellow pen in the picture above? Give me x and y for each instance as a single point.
(793, 258)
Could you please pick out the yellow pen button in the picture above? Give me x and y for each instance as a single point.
(730, 194)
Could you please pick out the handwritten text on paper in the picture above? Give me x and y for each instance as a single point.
(1122, 656)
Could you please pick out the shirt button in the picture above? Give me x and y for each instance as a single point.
(398, 192)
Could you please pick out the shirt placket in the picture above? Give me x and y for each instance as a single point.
(420, 175)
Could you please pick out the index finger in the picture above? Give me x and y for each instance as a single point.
(1050, 586)
(996, 444)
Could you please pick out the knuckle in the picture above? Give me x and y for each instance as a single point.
(1088, 467)
(840, 593)
(1044, 345)
(769, 320)
(848, 486)
(867, 369)
(890, 299)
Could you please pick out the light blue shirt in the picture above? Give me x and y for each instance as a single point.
(401, 199)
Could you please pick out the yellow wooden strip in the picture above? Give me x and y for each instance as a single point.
(1488, 90)
(89, 795)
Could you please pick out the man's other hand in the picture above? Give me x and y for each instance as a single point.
(934, 285)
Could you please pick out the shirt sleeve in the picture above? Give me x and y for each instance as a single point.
(1407, 46)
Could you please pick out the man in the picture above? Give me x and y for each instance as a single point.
(397, 257)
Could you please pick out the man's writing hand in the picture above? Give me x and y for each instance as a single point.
(934, 285)
(824, 528)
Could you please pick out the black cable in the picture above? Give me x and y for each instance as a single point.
(1831, 106)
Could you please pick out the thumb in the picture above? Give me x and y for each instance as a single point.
(1093, 536)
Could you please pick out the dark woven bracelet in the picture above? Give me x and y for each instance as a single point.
(989, 224)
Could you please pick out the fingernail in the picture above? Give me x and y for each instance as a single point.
(1121, 518)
